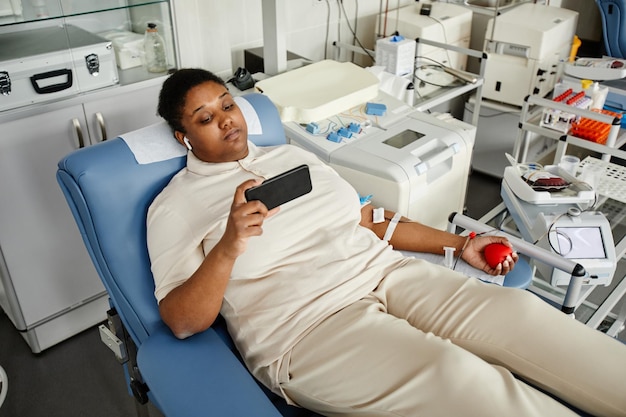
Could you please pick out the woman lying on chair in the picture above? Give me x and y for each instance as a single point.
(327, 315)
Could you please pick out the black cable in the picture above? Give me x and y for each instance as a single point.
(354, 33)
(356, 23)
(327, 29)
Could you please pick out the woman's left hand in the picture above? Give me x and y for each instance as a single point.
(474, 255)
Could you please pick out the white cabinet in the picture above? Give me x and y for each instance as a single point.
(46, 268)
(48, 285)
(121, 111)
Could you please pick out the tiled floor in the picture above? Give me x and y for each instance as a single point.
(78, 377)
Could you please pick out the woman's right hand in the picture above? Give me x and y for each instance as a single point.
(244, 221)
(193, 306)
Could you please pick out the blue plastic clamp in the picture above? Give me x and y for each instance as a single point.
(365, 199)
(334, 137)
(375, 109)
(354, 127)
(344, 132)
(313, 128)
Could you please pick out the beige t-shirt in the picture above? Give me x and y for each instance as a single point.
(312, 259)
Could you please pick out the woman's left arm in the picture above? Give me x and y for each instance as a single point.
(417, 237)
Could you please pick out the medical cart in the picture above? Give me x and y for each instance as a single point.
(600, 303)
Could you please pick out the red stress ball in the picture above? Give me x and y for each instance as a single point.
(496, 253)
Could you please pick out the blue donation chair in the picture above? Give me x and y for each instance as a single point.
(109, 187)
(613, 14)
(109, 193)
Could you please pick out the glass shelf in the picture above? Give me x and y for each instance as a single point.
(70, 47)
(30, 11)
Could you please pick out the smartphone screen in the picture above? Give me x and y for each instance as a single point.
(282, 188)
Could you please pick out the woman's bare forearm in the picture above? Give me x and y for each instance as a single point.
(410, 235)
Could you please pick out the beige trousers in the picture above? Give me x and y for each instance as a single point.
(431, 342)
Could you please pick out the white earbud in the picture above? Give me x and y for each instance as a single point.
(187, 144)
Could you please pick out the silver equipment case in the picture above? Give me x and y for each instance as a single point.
(53, 62)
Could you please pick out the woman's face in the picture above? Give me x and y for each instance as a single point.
(216, 129)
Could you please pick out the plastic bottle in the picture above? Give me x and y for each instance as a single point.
(154, 48)
(598, 96)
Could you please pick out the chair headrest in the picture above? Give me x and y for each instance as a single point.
(156, 142)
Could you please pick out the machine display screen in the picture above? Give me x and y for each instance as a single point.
(403, 139)
(580, 242)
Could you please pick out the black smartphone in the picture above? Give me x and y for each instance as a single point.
(282, 188)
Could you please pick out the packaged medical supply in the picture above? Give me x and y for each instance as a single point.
(128, 47)
(396, 54)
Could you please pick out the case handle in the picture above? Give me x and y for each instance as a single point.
(54, 87)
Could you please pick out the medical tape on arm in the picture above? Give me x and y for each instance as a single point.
(392, 227)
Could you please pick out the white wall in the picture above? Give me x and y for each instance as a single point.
(203, 34)
(213, 33)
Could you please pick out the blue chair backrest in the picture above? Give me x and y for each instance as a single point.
(613, 13)
(109, 193)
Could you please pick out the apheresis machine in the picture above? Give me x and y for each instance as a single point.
(437, 21)
(434, 20)
(553, 209)
(407, 161)
(525, 46)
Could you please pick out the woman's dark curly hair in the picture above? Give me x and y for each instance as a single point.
(175, 89)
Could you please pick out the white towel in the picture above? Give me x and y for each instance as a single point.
(156, 142)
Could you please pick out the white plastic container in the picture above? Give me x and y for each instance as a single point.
(598, 95)
(396, 54)
(128, 47)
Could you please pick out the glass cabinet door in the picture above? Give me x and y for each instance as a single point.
(64, 47)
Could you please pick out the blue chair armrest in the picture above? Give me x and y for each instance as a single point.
(199, 376)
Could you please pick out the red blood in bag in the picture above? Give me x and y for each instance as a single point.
(496, 253)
